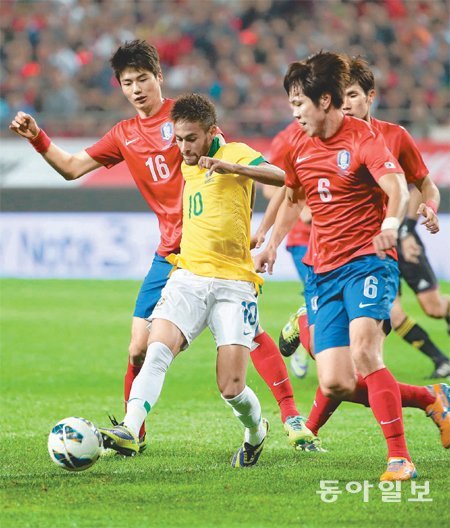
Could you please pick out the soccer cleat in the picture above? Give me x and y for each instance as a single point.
(299, 363)
(120, 439)
(142, 439)
(247, 455)
(399, 469)
(300, 437)
(441, 371)
(289, 339)
(439, 411)
(143, 443)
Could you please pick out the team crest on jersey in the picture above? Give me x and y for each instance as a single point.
(167, 131)
(343, 159)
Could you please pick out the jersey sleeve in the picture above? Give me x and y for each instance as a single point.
(410, 159)
(106, 150)
(375, 155)
(245, 155)
(278, 150)
(291, 176)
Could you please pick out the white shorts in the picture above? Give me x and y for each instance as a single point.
(228, 307)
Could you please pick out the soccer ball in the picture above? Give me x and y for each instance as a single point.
(74, 444)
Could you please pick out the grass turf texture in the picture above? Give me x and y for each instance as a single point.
(64, 346)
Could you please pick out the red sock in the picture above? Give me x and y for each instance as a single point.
(411, 395)
(132, 372)
(321, 411)
(360, 395)
(269, 363)
(386, 404)
(305, 337)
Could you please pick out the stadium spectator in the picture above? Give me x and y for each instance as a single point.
(232, 51)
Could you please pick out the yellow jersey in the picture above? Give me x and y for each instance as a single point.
(215, 239)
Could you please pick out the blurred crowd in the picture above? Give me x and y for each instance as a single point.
(55, 56)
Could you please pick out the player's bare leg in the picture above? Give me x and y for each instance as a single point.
(139, 341)
(417, 337)
(231, 370)
(336, 372)
(436, 305)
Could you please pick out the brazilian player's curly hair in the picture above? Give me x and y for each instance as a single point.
(321, 73)
(194, 108)
(136, 54)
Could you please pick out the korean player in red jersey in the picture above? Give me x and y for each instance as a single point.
(414, 265)
(434, 400)
(345, 170)
(147, 144)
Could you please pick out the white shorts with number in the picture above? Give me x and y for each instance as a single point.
(192, 303)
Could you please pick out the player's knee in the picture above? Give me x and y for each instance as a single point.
(337, 388)
(136, 353)
(337, 391)
(367, 360)
(434, 310)
(231, 387)
(397, 316)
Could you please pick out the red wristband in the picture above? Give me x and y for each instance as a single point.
(432, 205)
(41, 142)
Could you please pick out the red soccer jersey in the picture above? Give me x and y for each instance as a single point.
(149, 149)
(279, 150)
(339, 176)
(404, 149)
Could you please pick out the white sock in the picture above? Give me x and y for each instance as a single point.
(147, 385)
(247, 409)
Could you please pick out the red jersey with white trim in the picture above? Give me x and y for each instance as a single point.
(149, 149)
(279, 150)
(402, 145)
(339, 177)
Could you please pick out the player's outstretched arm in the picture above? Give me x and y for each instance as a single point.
(269, 217)
(394, 185)
(70, 166)
(426, 205)
(263, 173)
(286, 218)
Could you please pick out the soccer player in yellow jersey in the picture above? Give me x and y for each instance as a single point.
(213, 284)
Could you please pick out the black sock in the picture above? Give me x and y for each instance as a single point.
(416, 336)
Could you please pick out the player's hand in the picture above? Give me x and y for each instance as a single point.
(257, 240)
(216, 165)
(24, 125)
(411, 249)
(431, 221)
(386, 239)
(265, 260)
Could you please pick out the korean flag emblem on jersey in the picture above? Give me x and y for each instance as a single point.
(343, 159)
(167, 131)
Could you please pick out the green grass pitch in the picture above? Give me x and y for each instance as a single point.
(63, 353)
